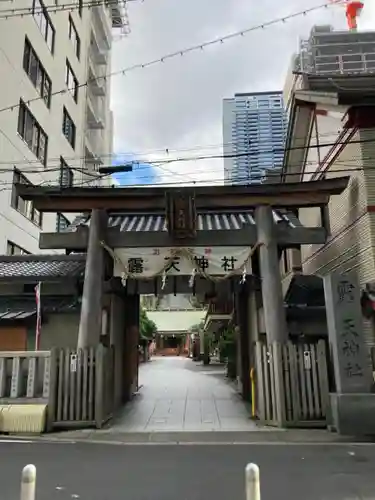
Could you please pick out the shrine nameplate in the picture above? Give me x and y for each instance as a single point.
(181, 215)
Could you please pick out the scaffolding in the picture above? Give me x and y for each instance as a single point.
(328, 52)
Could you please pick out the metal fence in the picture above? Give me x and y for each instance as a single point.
(292, 384)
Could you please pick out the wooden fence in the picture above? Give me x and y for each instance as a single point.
(82, 387)
(77, 386)
(292, 384)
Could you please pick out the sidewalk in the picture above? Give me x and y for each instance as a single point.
(178, 394)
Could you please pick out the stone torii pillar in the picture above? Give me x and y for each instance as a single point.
(272, 293)
(91, 309)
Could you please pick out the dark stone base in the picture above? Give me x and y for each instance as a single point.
(352, 414)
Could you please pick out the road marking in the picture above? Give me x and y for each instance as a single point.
(188, 443)
(36, 440)
(18, 441)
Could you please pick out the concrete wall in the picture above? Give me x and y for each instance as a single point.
(61, 330)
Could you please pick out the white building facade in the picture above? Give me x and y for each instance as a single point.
(53, 127)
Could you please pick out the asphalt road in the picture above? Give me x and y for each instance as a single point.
(189, 472)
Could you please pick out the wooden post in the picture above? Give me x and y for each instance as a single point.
(131, 344)
(244, 354)
(91, 310)
(272, 293)
(99, 386)
(52, 389)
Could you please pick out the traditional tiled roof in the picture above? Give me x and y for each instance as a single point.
(21, 308)
(207, 221)
(41, 266)
(176, 321)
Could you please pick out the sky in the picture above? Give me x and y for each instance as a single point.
(173, 109)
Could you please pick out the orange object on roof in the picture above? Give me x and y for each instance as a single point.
(353, 10)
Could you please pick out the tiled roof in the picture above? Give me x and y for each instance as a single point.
(16, 315)
(30, 266)
(206, 221)
(175, 321)
(21, 308)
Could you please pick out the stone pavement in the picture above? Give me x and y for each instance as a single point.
(178, 394)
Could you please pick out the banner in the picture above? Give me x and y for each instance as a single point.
(149, 262)
(38, 316)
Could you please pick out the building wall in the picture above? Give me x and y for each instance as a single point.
(254, 128)
(351, 244)
(61, 330)
(228, 147)
(15, 83)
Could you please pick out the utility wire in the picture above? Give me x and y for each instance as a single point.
(244, 179)
(167, 161)
(137, 156)
(170, 173)
(179, 53)
(68, 7)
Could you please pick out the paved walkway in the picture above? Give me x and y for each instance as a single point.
(178, 394)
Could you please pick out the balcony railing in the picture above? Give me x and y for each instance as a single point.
(101, 26)
(96, 78)
(95, 110)
(94, 146)
(340, 64)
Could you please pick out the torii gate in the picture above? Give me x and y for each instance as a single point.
(256, 221)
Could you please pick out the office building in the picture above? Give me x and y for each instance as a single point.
(254, 129)
(53, 127)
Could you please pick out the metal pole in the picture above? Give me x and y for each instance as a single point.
(28, 482)
(252, 482)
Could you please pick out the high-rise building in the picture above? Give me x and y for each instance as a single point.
(254, 130)
(53, 127)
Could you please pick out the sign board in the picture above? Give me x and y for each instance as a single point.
(73, 362)
(149, 262)
(307, 360)
(344, 320)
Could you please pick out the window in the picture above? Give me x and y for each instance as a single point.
(62, 222)
(13, 249)
(25, 207)
(73, 36)
(71, 81)
(37, 74)
(32, 133)
(69, 129)
(44, 22)
(66, 174)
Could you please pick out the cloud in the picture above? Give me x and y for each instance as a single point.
(174, 109)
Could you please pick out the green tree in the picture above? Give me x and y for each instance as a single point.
(147, 327)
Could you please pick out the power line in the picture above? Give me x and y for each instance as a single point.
(169, 173)
(213, 181)
(68, 7)
(165, 161)
(182, 52)
(136, 160)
